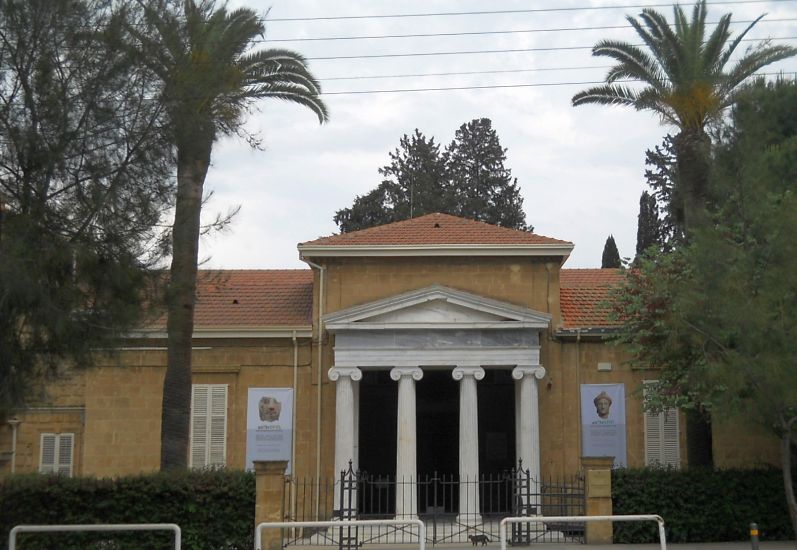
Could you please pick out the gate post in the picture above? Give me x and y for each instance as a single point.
(269, 497)
(598, 481)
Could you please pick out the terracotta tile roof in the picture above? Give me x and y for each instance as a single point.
(582, 296)
(252, 298)
(435, 229)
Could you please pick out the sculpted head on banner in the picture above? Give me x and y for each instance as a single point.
(603, 404)
(269, 409)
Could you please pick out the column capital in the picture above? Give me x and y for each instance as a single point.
(538, 371)
(352, 372)
(397, 372)
(461, 372)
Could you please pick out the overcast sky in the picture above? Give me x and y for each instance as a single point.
(580, 170)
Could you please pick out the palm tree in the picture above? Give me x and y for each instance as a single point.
(208, 78)
(686, 83)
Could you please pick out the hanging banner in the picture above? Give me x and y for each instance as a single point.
(269, 422)
(603, 421)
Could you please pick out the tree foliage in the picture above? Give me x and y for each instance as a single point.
(413, 184)
(611, 256)
(83, 185)
(685, 80)
(468, 179)
(208, 77)
(648, 233)
(717, 316)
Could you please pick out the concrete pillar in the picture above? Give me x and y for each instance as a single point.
(598, 485)
(527, 421)
(344, 378)
(406, 442)
(468, 444)
(269, 496)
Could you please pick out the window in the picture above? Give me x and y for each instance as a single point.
(56, 454)
(662, 441)
(208, 425)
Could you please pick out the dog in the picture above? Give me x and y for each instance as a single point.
(476, 539)
(269, 409)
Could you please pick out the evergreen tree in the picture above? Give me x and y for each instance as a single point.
(83, 183)
(611, 256)
(648, 233)
(414, 184)
(482, 187)
(469, 179)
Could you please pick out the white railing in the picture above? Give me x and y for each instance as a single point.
(12, 536)
(340, 523)
(583, 519)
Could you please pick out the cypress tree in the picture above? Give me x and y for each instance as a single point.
(611, 256)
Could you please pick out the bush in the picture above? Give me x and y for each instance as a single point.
(214, 509)
(701, 505)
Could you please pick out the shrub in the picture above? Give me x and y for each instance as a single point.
(701, 505)
(214, 509)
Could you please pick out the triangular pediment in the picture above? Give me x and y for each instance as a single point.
(436, 307)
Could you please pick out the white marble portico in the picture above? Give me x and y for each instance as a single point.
(437, 327)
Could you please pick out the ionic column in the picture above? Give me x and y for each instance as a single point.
(406, 441)
(468, 444)
(528, 419)
(344, 378)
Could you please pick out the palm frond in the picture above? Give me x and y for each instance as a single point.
(752, 62)
(632, 63)
(606, 95)
(733, 45)
(712, 51)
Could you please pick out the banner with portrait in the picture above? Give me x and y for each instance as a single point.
(603, 421)
(269, 423)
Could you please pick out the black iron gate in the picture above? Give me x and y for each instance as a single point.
(437, 502)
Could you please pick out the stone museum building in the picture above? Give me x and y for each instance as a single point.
(431, 346)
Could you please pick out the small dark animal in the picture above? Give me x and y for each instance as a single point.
(476, 539)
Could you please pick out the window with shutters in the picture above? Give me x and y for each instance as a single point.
(208, 425)
(56, 453)
(662, 439)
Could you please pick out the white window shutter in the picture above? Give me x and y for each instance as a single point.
(66, 444)
(208, 425)
(671, 455)
(56, 453)
(218, 426)
(662, 439)
(48, 454)
(653, 437)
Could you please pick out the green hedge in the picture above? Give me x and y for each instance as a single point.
(214, 509)
(701, 505)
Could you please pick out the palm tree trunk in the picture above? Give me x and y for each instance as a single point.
(692, 154)
(192, 167)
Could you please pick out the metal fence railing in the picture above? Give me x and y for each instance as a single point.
(418, 534)
(565, 520)
(114, 527)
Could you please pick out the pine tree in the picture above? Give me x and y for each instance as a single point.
(611, 256)
(469, 179)
(482, 187)
(414, 184)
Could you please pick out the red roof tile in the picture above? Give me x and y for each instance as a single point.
(435, 229)
(583, 295)
(252, 298)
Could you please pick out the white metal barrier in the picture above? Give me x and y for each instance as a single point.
(340, 523)
(583, 519)
(12, 536)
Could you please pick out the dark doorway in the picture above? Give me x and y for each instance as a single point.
(437, 397)
(378, 418)
(496, 422)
